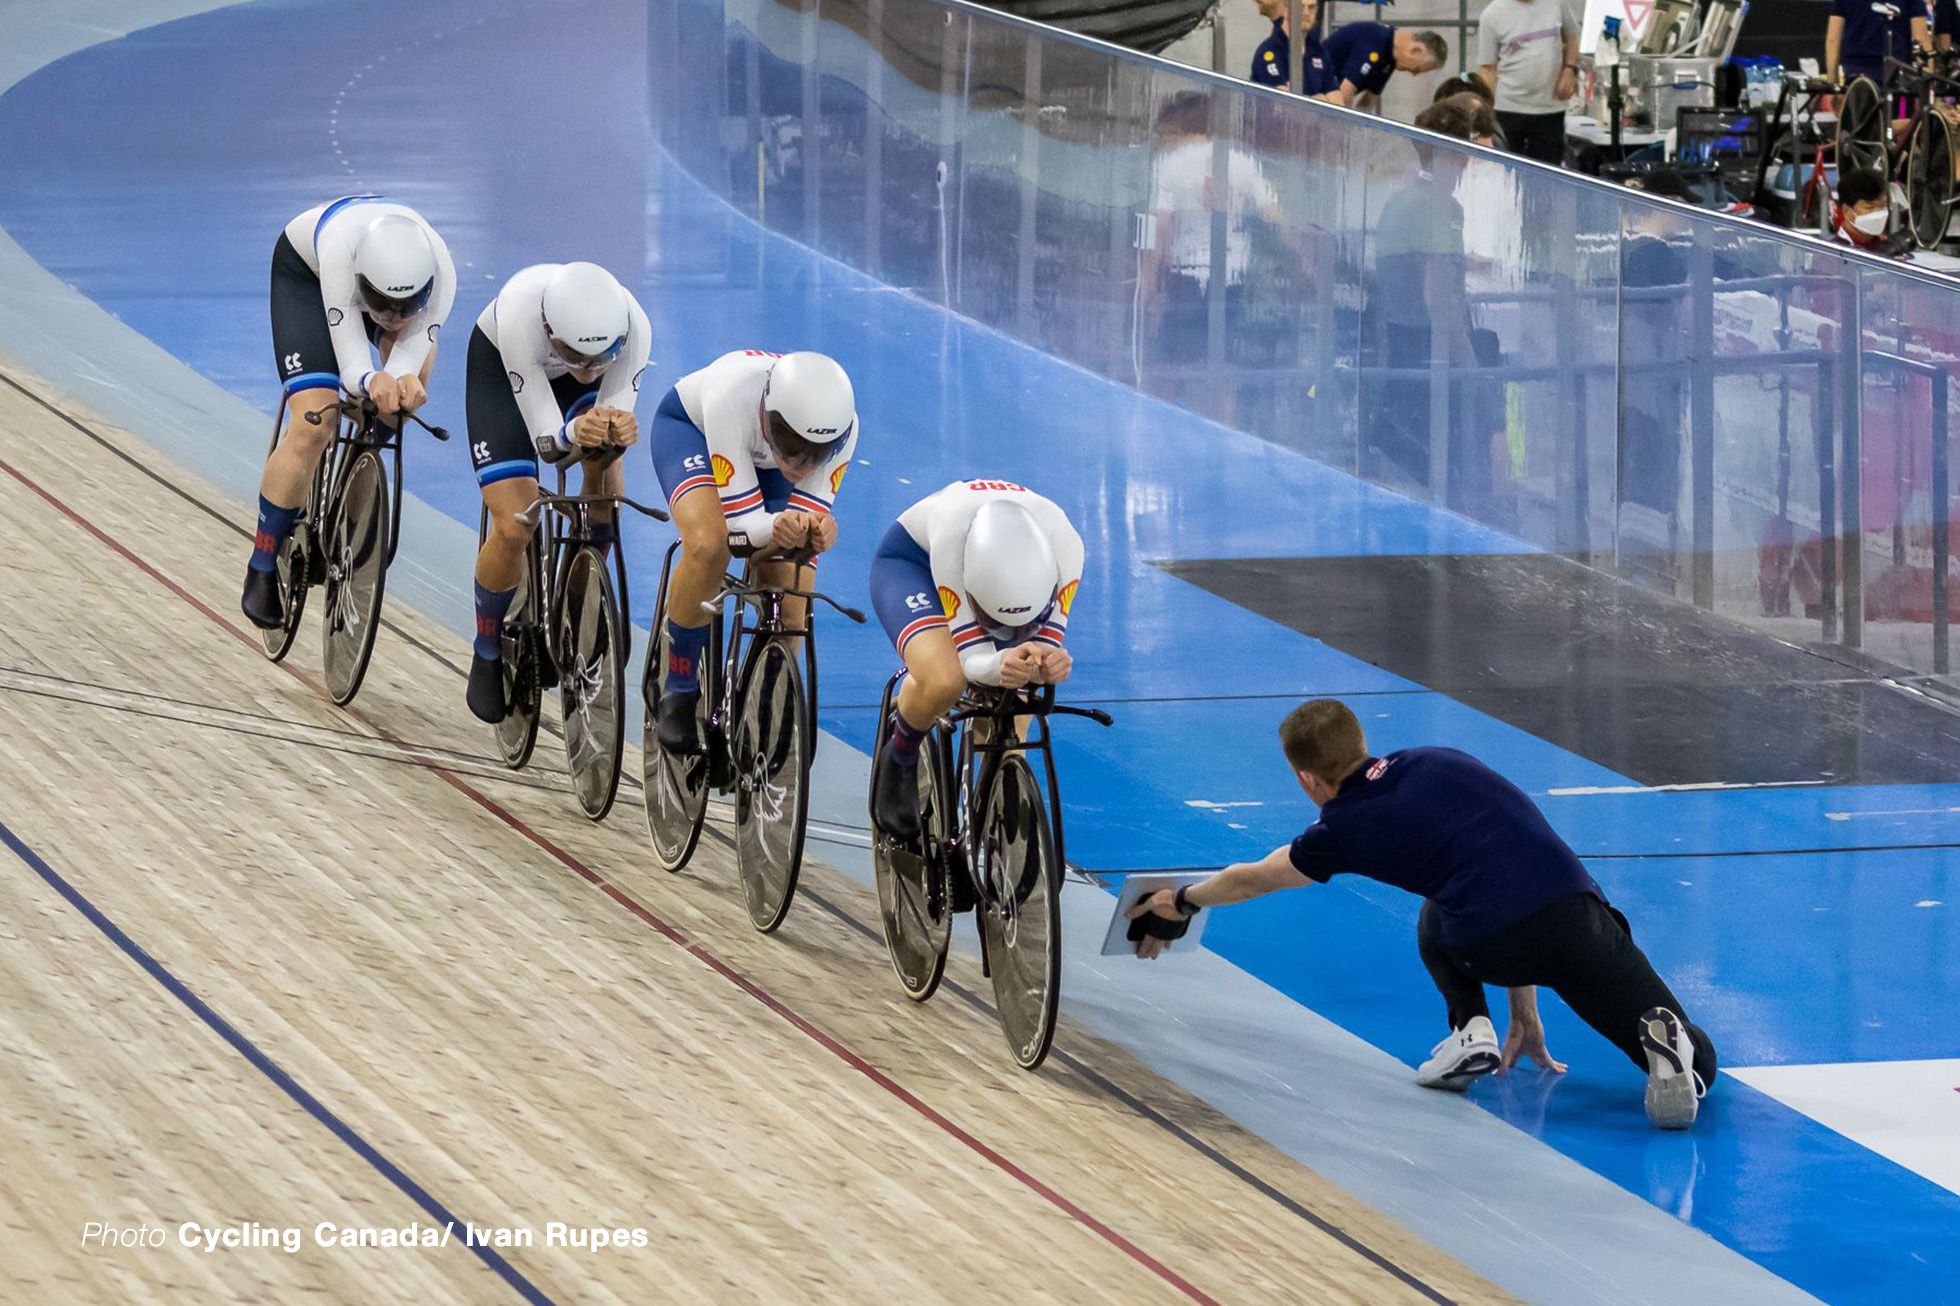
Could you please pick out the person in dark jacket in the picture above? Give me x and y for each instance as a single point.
(1506, 902)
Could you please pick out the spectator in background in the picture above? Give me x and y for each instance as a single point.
(1272, 61)
(1461, 85)
(1862, 211)
(1419, 314)
(1484, 129)
(1362, 56)
(1528, 54)
(1862, 33)
(1945, 18)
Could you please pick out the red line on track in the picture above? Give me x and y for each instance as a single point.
(639, 910)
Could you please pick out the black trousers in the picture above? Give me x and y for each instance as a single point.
(1539, 136)
(1581, 949)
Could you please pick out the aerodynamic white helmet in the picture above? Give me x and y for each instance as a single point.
(1011, 573)
(394, 266)
(585, 315)
(808, 408)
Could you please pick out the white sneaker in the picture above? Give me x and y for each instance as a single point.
(1674, 1090)
(1466, 1056)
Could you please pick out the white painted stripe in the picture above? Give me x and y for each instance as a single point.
(1591, 791)
(1895, 811)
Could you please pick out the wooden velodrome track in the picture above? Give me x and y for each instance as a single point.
(264, 960)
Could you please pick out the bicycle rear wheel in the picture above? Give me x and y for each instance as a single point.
(675, 789)
(914, 887)
(356, 545)
(1929, 181)
(1861, 127)
(592, 682)
(291, 564)
(517, 733)
(772, 781)
(1021, 911)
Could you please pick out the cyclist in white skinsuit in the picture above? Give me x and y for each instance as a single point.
(751, 450)
(973, 584)
(554, 370)
(359, 271)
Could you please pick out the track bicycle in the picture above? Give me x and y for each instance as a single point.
(568, 628)
(345, 540)
(989, 844)
(757, 721)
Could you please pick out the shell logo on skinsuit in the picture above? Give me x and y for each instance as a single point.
(1066, 599)
(949, 601)
(724, 470)
(837, 477)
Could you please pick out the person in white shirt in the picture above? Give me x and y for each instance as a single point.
(1528, 54)
(554, 373)
(359, 272)
(771, 435)
(973, 584)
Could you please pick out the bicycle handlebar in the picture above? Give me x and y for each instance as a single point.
(362, 409)
(1027, 700)
(736, 587)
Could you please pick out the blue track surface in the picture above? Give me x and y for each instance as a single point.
(155, 172)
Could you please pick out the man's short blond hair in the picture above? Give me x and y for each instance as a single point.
(1323, 738)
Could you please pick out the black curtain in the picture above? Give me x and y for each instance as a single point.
(1147, 25)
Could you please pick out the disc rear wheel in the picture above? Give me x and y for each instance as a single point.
(675, 789)
(592, 682)
(517, 733)
(914, 885)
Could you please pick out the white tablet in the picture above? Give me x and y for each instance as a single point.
(1117, 942)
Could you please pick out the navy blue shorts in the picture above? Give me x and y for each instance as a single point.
(902, 592)
(680, 459)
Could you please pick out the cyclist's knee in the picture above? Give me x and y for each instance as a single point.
(510, 532)
(940, 685)
(705, 545)
(310, 420)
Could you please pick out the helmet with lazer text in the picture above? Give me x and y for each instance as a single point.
(394, 267)
(808, 408)
(585, 315)
(1011, 572)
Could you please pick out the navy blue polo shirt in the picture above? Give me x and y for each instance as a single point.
(1868, 24)
(1442, 825)
(1945, 18)
(1362, 53)
(1270, 66)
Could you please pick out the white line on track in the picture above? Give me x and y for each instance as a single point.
(1593, 791)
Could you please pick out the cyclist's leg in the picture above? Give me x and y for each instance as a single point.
(680, 458)
(574, 397)
(507, 474)
(908, 606)
(303, 354)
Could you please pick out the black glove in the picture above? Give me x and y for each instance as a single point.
(1154, 926)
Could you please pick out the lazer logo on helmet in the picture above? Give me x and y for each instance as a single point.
(1015, 612)
(821, 430)
(593, 340)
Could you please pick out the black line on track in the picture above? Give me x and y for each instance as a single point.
(1291, 696)
(1130, 1101)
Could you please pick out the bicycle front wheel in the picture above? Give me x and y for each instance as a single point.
(592, 682)
(291, 564)
(675, 789)
(356, 544)
(1021, 911)
(772, 775)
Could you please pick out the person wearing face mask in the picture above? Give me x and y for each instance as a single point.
(1862, 211)
(554, 372)
(358, 274)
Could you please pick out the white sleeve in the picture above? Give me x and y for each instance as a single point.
(520, 344)
(418, 334)
(980, 657)
(620, 387)
(1067, 545)
(748, 518)
(350, 343)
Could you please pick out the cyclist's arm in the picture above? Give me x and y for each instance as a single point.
(350, 343)
(620, 387)
(1067, 545)
(522, 344)
(418, 335)
(749, 520)
(980, 657)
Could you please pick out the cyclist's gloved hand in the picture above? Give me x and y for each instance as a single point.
(1055, 664)
(385, 391)
(1019, 665)
(625, 427)
(823, 531)
(790, 529)
(591, 430)
(410, 393)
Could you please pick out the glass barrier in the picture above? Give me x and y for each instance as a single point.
(1749, 422)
